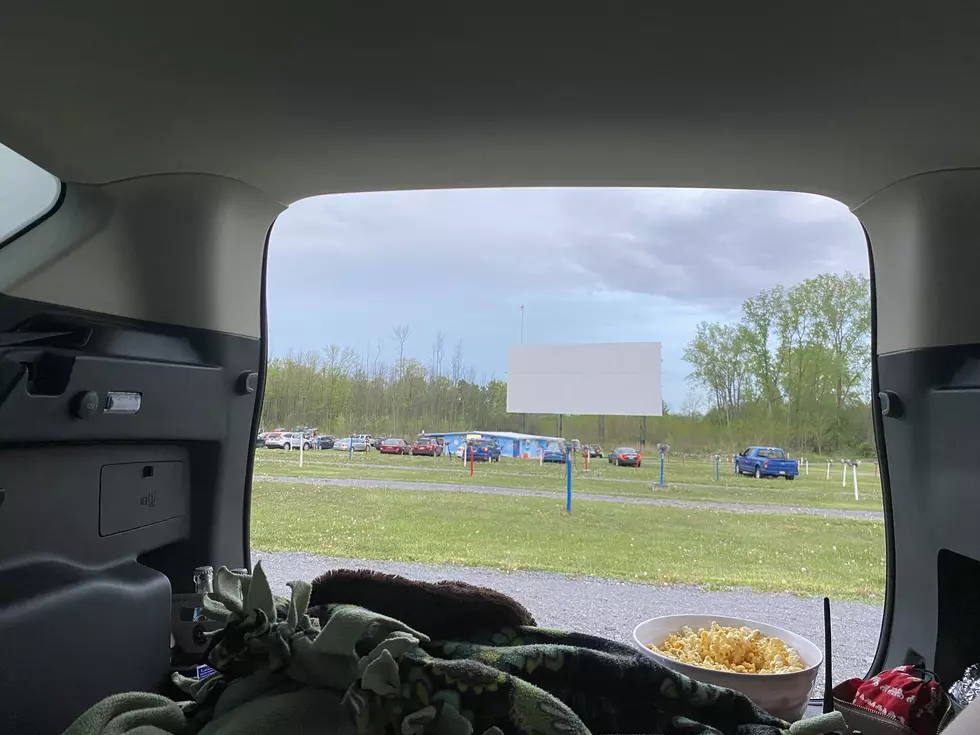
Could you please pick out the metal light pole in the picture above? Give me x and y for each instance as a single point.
(664, 448)
(523, 415)
(568, 478)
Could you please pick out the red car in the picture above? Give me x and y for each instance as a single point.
(428, 446)
(395, 446)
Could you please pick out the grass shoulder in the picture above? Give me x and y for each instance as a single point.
(765, 552)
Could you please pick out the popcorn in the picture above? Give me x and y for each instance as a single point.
(737, 650)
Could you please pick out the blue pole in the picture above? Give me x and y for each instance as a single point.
(350, 449)
(717, 469)
(661, 468)
(568, 477)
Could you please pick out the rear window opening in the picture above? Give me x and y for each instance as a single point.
(753, 494)
(27, 193)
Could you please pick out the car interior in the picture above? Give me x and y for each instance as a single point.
(133, 315)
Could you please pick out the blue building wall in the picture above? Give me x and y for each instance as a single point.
(509, 446)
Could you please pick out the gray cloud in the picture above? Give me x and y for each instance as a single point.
(589, 264)
(707, 246)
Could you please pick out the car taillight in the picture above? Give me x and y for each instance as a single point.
(622, 456)
(766, 464)
(638, 457)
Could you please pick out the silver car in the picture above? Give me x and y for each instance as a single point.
(343, 445)
(288, 440)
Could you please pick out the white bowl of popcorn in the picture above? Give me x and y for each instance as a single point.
(773, 667)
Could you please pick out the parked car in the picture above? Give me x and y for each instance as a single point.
(428, 446)
(394, 445)
(344, 444)
(287, 440)
(459, 451)
(325, 442)
(264, 436)
(483, 450)
(625, 456)
(766, 462)
(376, 441)
(366, 438)
(555, 452)
(593, 450)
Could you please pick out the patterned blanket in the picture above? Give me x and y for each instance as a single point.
(392, 678)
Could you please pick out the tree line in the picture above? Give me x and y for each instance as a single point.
(793, 370)
(795, 367)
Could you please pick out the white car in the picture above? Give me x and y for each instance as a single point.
(288, 440)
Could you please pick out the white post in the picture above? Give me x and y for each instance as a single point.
(854, 474)
(828, 469)
(540, 458)
(301, 440)
(843, 482)
(807, 466)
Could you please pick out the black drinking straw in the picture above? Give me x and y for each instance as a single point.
(828, 683)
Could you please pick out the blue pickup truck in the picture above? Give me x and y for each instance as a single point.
(766, 462)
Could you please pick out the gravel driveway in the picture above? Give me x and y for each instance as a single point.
(612, 609)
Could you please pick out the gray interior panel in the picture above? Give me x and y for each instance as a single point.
(137, 494)
(72, 635)
(101, 518)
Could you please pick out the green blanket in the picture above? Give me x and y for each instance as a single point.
(342, 668)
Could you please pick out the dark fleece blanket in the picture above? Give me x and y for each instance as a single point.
(484, 648)
(444, 610)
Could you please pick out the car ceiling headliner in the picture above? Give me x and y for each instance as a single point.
(835, 98)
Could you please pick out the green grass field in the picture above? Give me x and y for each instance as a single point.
(806, 555)
(690, 480)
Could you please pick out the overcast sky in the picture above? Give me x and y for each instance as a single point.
(589, 265)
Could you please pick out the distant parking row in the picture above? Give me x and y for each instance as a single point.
(479, 450)
(423, 446)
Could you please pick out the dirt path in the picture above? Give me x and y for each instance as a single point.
(490, 490)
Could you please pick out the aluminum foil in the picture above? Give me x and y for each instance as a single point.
(967, 688)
